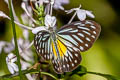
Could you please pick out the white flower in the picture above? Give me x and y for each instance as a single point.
(6, 47)
(25, 65)
(27, 17)
(81, 13)
(50, 21)
(27, 55)
(10, 60)
(37, 29)
(58, 4)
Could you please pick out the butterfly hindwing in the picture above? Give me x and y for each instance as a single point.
(42, 44)
(69, 57)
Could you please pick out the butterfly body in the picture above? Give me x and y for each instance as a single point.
(63, 47)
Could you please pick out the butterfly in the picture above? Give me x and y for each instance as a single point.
(62, 47)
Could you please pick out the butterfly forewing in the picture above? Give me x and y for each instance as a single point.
(81, 34)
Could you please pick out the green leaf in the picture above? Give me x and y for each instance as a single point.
(107, 76)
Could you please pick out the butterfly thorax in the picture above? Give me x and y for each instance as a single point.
(52, 29)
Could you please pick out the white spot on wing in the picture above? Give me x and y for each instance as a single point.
(77, 24)
(39, 50)
(37, 47)
(66, 59)
(66, 54)
(43, 45)
(48, 46)
(70, 59)
(72, 65)
(69, 38)
(81, 48)
(86, 32)
(45, 55)
(88, 39)
(68, 65)
(86, 45)
(65, 30)
(84, 28)
(74, 30)
(75, 61)
(42, 51)
(68, 44)
(40, 33)
(48, 56)
(69, 48)
(88, 22)
(93, 27)
(39, 36)
(36, 43)
(94, 32)
(70, 54)
(76, 49)
(63, 66)
(76, 55)
(93, 36)
(80, 34)
(76, 37)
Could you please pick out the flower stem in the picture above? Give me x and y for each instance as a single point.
(45, 73)
(15, 40)
(73, 16)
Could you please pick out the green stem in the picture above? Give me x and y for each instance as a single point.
(15, 40)
(45, 73)
(100, 74)
(26, 72)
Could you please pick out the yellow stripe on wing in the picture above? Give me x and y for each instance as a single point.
(54, 50)
(62, 48)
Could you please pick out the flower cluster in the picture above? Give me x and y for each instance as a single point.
(45, 20)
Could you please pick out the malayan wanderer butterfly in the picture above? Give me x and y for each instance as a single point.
(63, 47)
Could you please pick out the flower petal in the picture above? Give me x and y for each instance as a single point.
(58, 4)
(2, 14)
(81, 14)
(26, 34)
(9, 47)
(37, 29)
(10, 68)
(14, 66)
(11, 55)
(50, 21)
(89, 13)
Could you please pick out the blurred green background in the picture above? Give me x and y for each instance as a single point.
(103, 57)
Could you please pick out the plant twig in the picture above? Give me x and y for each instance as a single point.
(73, 16)
(15, 40)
